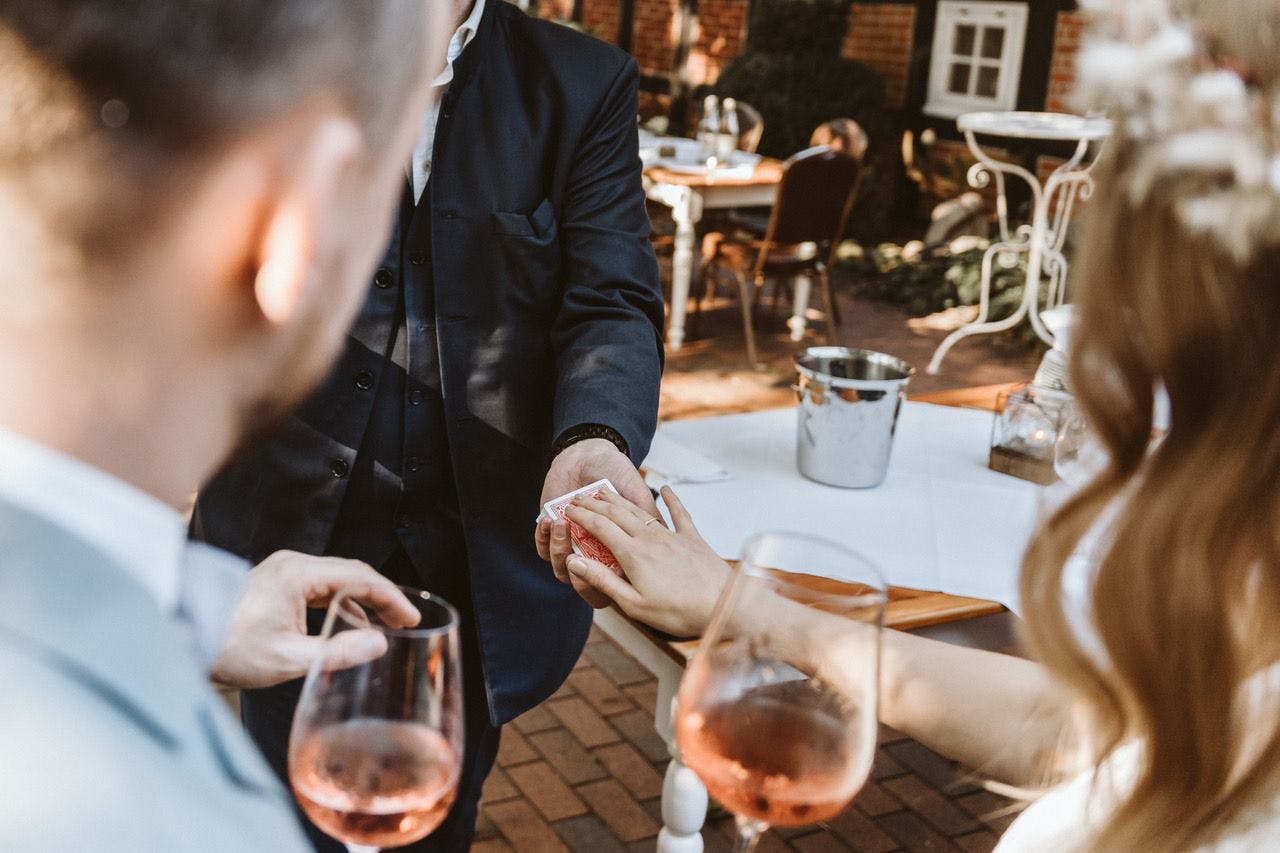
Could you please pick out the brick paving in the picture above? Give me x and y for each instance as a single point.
(583, 773)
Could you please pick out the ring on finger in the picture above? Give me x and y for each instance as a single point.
(654, 521)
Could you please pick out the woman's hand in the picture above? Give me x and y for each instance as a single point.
(672, 578)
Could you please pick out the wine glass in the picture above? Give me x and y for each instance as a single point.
(375, 751)
(776, 713)
(1077, 456)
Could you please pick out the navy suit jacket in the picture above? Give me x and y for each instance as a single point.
(548, 314)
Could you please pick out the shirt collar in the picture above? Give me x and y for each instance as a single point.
(461, 38)
(143, 534)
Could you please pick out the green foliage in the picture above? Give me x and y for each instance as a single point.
(787, 26)
(793, 74)
(928, 283)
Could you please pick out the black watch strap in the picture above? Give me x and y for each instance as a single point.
(582, 432)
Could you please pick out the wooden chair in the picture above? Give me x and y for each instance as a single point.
(817, 190)
(750, 127)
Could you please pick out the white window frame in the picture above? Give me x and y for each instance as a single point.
(1012, 17)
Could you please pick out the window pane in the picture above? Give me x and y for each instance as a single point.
(966, 35)
(988, 81)
(992, 42)
(959, 82)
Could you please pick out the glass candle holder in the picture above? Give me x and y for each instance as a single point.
(1024, 433)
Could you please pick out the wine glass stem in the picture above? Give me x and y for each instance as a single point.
(748, 834)
(361, 848)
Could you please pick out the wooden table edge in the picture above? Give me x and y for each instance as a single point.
(768, 171)
(903, 614)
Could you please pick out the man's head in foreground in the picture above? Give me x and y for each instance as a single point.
(192, 195)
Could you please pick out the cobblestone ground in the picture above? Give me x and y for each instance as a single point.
(583, 772)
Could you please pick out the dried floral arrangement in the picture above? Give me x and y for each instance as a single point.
(1204, 110)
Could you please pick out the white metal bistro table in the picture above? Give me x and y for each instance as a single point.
(1052, 205)
(688, 194)
(947, 532)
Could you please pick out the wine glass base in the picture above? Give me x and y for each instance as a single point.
(749, 832)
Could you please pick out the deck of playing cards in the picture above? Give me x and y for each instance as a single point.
(584, 544)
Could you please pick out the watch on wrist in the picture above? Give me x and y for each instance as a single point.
(582, 432)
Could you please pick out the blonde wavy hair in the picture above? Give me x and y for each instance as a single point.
(1186, 598)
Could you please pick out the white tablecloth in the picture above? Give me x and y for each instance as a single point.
(941, 520)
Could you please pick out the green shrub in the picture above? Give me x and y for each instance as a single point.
(792, 72)
(789, 26)
(929, 283)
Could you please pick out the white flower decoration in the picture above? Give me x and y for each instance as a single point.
(1223, 94)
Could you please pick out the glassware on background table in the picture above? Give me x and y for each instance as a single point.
(709, 130)
(727, 134)
(776, 744)
(375, 752)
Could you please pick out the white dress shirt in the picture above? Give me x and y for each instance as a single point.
(196, 584)
(1065, 817)
(420, 168)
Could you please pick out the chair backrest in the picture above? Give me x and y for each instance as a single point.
(750, 127)
(814, 198)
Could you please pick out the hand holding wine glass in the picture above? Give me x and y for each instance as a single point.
(375, 752)
(781, 731)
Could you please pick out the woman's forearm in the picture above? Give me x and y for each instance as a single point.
(1000, 715)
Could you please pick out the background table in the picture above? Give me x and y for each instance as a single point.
(688, 195)
(960, 456)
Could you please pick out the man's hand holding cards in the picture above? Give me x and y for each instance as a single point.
(584, 544)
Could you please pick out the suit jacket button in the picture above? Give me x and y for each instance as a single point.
(384, 279)
(339, 468)
(415, 397)
(364, 380)
(418, 258)
(413, 463)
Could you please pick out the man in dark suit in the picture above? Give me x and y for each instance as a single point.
(509, 350)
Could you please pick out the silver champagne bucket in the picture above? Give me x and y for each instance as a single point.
(849, 404)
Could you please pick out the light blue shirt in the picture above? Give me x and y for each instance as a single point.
(194, 583)
(111, 738)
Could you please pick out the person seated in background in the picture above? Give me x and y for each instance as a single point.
(842, 134)
(186, 189)
(1151, 707)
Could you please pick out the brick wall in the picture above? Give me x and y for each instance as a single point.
(562, 9)
(657, 29)
(880, 35)
(1062, 71)
(718, 38)
(602, 18)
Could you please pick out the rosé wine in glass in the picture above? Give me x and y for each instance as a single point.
(782, 759)
(776, 713)
(375, 751)
(374, 782)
